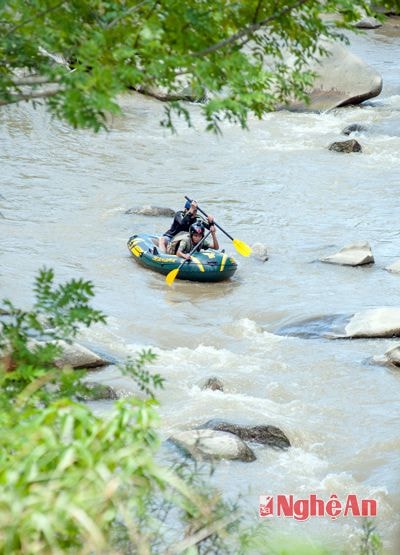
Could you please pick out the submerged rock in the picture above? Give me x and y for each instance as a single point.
(259, 251)
(152, 211)
(346, 146)
(214, 384)
(97, 391)
(354, 128)
(356, 254)
(264, 434)
(211, 445)
(390, 358)
(394, 268)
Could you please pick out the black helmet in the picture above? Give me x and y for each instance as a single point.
(197, 227)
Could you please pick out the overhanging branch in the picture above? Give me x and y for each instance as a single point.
(31, 95)
(249, 30)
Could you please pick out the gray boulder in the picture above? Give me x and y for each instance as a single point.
(342, 79)
(356, 254)
(368, 22)
(77, 356)
(346, 146)
(264, 434)
(74, 355)
(212, 445)
(151, 211)
(376, 322)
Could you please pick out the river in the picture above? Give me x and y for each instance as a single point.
(63, 199)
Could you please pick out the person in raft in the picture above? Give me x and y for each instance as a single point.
(195, 235)
(183, 219)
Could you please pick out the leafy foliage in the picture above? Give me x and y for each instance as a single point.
(390, 6)
(136, 369)
(29, 340)
(247, 56)
(371, 543)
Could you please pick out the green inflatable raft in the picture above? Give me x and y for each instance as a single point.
(206, 265)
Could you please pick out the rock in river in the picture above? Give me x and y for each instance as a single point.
(264, 434)
(375, 322)
(152, 211)
(346, 146)
(356, 254)
(210, 445)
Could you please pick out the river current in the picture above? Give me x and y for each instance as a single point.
(63, 199)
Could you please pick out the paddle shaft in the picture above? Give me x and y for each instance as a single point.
(214, 223)
(194, 248)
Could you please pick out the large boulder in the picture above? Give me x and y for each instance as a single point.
(376, 322)
(342, 78)
(78, 356)
(73, 355)
(264, 434)
(356, 254)
(210, 445)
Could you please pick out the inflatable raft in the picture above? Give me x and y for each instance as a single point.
(206, 265)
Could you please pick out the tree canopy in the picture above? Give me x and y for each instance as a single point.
(246, 55)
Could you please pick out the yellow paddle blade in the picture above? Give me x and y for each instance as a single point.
(242, 247)
(170, 277)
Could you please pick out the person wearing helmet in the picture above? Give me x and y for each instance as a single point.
(195, 235)
(183, 219)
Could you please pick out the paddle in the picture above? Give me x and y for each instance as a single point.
(170, 277)
(241, 247)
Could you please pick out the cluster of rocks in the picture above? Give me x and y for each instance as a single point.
(373, 323)
(218, 439)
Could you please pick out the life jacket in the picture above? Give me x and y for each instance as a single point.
(172, 246)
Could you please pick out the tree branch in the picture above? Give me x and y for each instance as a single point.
(257, 10)
(249, 30)
(26, 21)
(31, 80)
(123, 15)
(45, 93)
